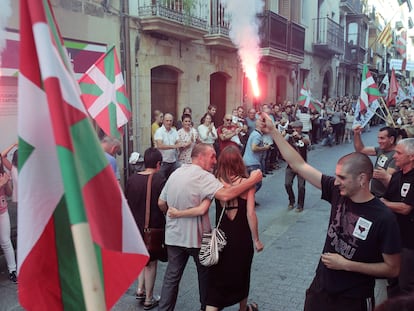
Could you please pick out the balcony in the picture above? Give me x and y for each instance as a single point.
(281, 39)
(354, 55)
(171, 18)
(218, 35)
(351, 6)
(328, 36)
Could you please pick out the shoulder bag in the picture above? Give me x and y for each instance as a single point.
(211, 244)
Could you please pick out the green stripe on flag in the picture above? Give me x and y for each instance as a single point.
(92, 89)
(89, 158)
(98, 252)
(72, 186)
(55, 34)
(75, 45)
(109, 63)
(25, 150)
(112, 120)
(123, 100)
(71, 286)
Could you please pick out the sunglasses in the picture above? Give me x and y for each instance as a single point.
(228, 119)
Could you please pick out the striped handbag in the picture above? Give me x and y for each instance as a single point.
(211, 244)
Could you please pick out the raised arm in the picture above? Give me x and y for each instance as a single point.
(190, 212)
(359, 145)
(294, 159)
(4, 154)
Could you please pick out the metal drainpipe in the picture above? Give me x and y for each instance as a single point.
(126, 70)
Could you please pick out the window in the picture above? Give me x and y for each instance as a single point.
(352, 33)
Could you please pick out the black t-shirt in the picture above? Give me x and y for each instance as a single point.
(401, 189)
(136, 194)
(359, 232)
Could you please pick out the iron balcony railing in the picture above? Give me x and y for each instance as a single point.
(328, 35)
(188, 13)
(219, 19)
(278, 33)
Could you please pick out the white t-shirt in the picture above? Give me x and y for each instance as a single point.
(187, 187)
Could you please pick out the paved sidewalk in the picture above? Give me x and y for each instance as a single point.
(282, 272)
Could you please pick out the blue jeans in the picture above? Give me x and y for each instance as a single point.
(251, 168)
(177, 260)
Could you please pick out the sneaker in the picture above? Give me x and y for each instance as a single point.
(291, 206)
(13, 276)
(299, 210)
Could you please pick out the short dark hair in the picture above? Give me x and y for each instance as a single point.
(185, 115)
(357, 163)
(187, 108)
(391, 132)
(151, 157)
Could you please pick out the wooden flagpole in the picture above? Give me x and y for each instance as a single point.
(388, 111)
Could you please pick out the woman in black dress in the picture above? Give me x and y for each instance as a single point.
(229, 280)
(135, 192)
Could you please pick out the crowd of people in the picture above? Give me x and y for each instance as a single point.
(370, 222)
(190, 165)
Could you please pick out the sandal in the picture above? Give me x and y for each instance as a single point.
(152, 304)
(140, 296)
(252, 307)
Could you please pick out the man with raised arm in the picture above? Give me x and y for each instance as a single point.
(384, 163)
(362, 240)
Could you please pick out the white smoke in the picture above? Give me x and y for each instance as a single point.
(5, 13)
(244, 33)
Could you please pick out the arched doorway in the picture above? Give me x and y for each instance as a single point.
(218, 93)
(164, 82)
(325, 85)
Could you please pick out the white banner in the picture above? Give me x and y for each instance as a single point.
(362, 118)
(396, 64)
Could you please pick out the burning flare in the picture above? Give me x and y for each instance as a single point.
(244, 33)
(251, 74)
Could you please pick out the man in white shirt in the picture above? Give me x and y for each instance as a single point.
(166, 141)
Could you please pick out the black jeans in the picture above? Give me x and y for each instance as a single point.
(318, 299)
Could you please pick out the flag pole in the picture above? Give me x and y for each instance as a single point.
(388, 111)
(377, 114)
(383, 113)
(88, 268)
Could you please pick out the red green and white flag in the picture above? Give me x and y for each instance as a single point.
(68, 196)
(104, 94)
(369, 89)
(305, 98)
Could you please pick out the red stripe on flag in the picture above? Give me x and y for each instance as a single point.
(40, 288)
(116, 264)
(57, 111)
(29, 65)
(106, 225)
